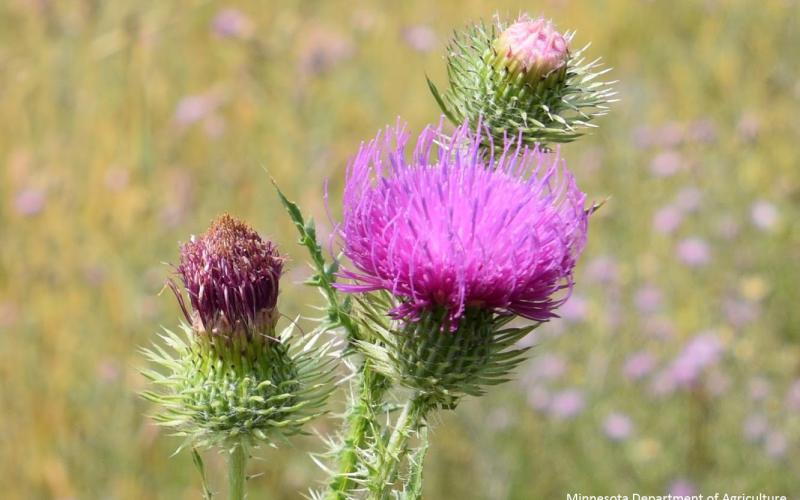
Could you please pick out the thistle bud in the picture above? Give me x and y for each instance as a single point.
(522, 80)
(532, 48)
(231, 377)
(231, 277)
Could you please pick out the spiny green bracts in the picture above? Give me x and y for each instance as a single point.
(262, 390)
(508, 80)
(231, 379)
(441, 365)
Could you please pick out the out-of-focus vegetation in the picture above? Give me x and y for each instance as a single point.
(128, 125)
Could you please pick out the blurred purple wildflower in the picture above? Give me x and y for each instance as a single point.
(539, 398)
(191, 109)
(232, 23)
(764, 215)
(603, 270)
(740, 312)
(759, 388)
(702, 351)
(618, 426)
(575, 309)
(793, 396)
(231, 277)
(689, 199)
(419, 37)
(666, 164)
(667, 219)
(548, 367)
(639, 365)
(30, 202)
(755, 427)
(452, 229)
(648, 299)
(682, 488)
(694, 252)
(776, 445)
(566, 404)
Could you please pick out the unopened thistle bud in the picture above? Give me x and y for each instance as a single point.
(533, 49)
(233, 377)
(453, 244)
(522, 79)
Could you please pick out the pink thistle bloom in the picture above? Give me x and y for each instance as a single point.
(452, 228)
(618, 427)
(532, 47)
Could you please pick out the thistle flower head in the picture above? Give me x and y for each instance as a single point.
(231, 377)
(533, 48)
(451, 229)
(231, 277)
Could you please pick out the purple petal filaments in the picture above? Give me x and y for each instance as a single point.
(452, 228)
(231, 277)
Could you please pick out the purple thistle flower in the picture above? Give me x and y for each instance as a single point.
(452, 228)
(231, 277)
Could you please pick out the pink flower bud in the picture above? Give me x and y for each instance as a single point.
(532, 47)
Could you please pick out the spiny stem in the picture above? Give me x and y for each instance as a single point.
(409, 420)
(358, 428)
(237, 462)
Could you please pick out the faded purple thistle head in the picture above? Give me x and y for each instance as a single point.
(231, 277)
(455, 228)
(532, 47)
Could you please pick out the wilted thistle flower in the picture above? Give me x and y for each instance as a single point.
(532, 48)
(459, 242)
(231, 277)
(522, 78)
(234, 377)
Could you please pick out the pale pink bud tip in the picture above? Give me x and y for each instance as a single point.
(534, 45)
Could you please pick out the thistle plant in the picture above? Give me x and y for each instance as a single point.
(447, 248)
(451, 253)
(522, 78)
(231, 380)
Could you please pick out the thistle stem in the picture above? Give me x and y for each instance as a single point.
(359, 425)
(237, 462)
(409, 420)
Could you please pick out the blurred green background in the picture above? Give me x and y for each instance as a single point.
(128, 125)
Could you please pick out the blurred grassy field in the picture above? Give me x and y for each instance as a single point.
(128, 125)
